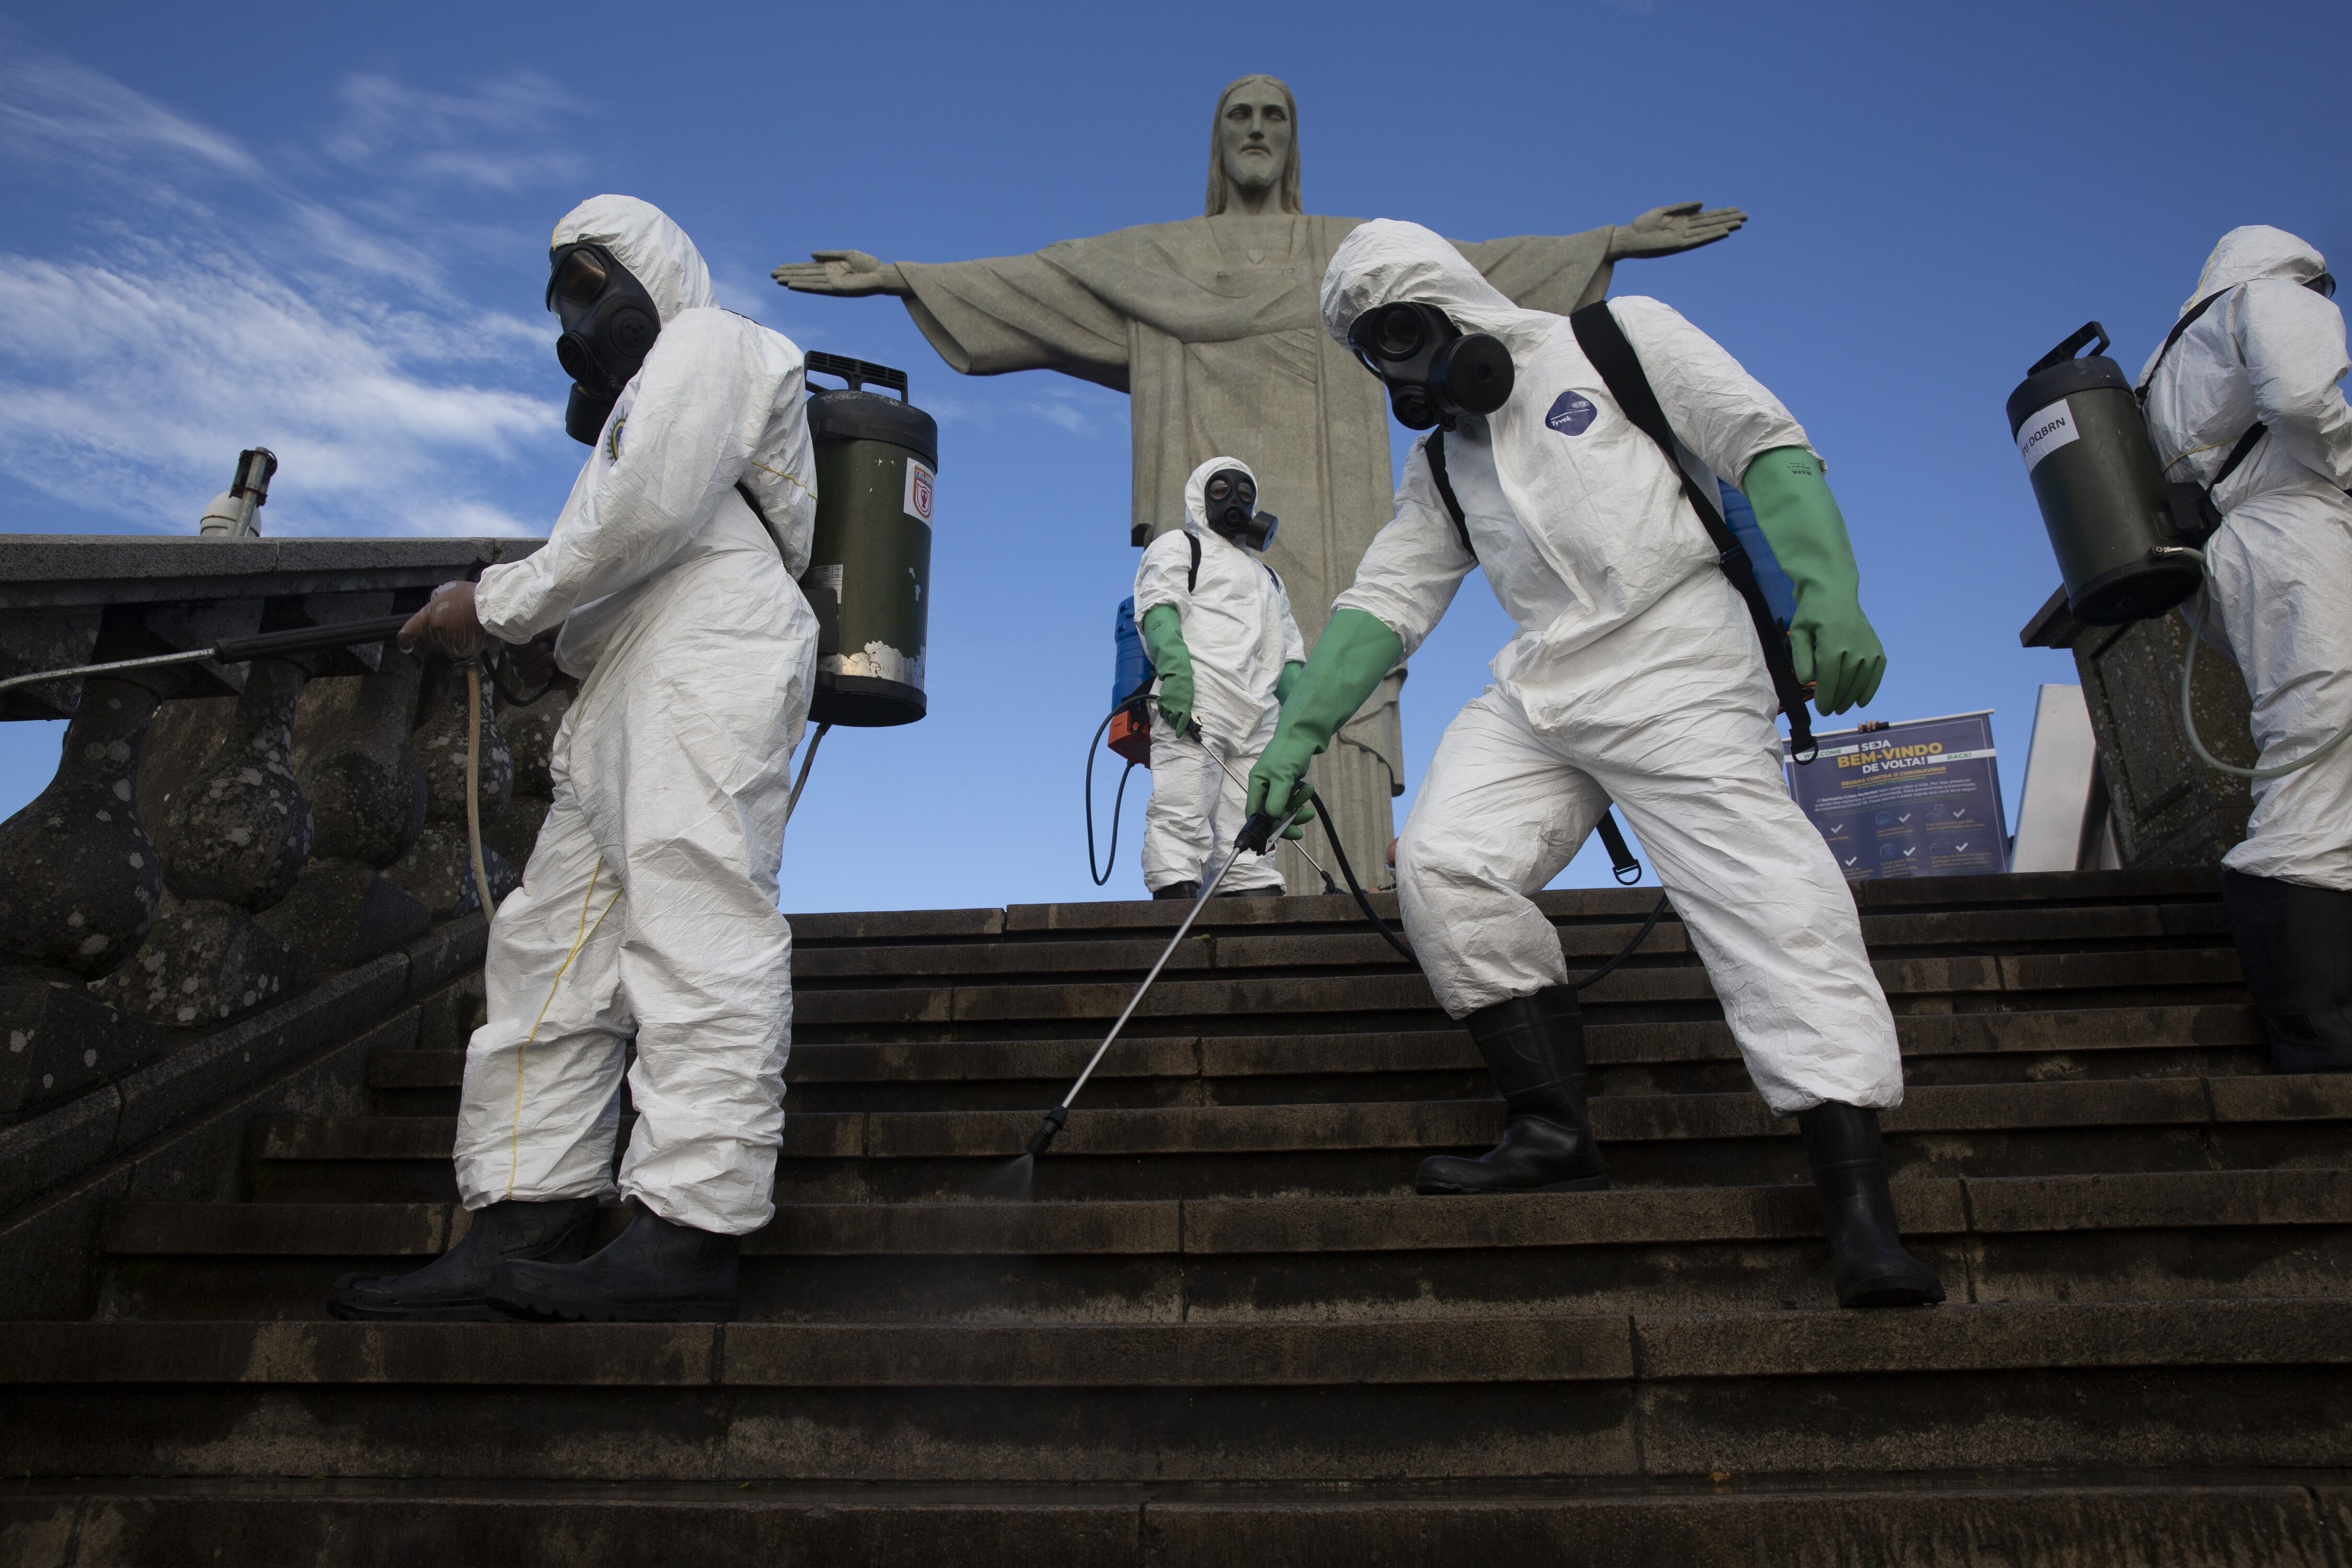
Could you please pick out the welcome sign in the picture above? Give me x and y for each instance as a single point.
(1920, 798)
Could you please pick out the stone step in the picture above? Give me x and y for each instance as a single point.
(999, 958)
(2170, 977)
(2175, 1385)
(1960, 1521)
(2187, 1235)
(2025, 894)
(1240, 1150)
(1691, 1056)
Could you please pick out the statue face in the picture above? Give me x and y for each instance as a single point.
(1253, 137)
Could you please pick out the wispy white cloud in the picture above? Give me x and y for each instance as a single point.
(53, 110)
(490, 138)
(183, 318)
(1065, 409)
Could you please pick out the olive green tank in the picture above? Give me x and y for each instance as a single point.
(869, 573)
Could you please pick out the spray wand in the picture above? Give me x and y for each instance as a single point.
(1256, 834)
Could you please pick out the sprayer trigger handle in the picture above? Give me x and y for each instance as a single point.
(1258, 833)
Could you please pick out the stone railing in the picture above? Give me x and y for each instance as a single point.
(2168, 808)
(217, 837)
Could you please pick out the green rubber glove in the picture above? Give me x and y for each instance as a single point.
(1287, 681)
(1164, 639)
(1830, 642)
(1354, 654)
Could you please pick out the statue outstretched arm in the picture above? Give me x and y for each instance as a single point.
(848, 274)
(1679, 226)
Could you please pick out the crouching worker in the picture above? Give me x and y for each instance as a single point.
(1218, 627)
(648, 909)
(1637, 676)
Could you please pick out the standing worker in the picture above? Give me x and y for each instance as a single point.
(2242, 397)
(1217, 624)
(1636, 676)
(648, 909)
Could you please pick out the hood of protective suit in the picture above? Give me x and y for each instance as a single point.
(1196, 506)
(1385, 261)
(2255, 250)
(642, 238)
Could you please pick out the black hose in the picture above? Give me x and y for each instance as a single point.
(1364, 902)
(1110, 861)
(1363, 899)
(1625, 951)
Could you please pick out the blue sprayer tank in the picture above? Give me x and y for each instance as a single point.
(1130, 729)
(1133, 667)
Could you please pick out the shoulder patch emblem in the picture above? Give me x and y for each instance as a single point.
(1572, 415)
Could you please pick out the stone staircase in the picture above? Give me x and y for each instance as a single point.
(1225, 1329)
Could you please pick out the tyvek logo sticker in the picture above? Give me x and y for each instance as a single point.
(920, 480)
(1572, 415)
(2047, 431)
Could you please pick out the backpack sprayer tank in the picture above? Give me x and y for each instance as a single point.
(1130, 724)
(2125, 555)
(870, 572)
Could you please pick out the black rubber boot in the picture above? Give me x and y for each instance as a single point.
(1858, 1212)
(1185, 890)
(1534, 1046)
(450, 1289)
(1253, 893)
(652, 1272)
(2295, 945)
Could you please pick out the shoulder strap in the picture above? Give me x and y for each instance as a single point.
(2239, 454)
(2245, 446)
(1192, 574)
(2187, 319)
(1275, 575)
(1605, 344)
(1435, 447)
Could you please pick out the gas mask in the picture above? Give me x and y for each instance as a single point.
(1435, 372)
(1230, 501)
(609, 324)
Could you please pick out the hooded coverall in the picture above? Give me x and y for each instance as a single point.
(648, 909)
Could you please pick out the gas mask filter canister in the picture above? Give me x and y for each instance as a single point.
(1435, 372)
(609, 326)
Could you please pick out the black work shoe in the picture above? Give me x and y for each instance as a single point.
(449, 1290)
(2294, 943)
(1858, 1212)
(1534, 1046)
(1185, 890)
(652, 1272)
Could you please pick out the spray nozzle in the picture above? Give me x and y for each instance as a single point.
(1043, 1138)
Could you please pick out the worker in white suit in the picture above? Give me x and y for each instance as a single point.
(648, 910)
(1636, 676)
(2242, 397)
(1217, 623)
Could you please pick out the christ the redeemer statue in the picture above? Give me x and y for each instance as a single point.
(1210, 325)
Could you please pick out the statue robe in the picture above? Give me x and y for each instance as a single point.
(1211, 326)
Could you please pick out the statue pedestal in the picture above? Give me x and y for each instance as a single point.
(2168, 809)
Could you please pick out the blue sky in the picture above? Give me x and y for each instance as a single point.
(323, 231)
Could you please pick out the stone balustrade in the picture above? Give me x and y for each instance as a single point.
(220, 836)
(2168, 810)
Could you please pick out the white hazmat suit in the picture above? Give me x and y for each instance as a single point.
(1240, 633)
(2279, 571)
(648, 908)
(1635, 677)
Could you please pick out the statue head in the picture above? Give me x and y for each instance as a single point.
(1254, 145)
